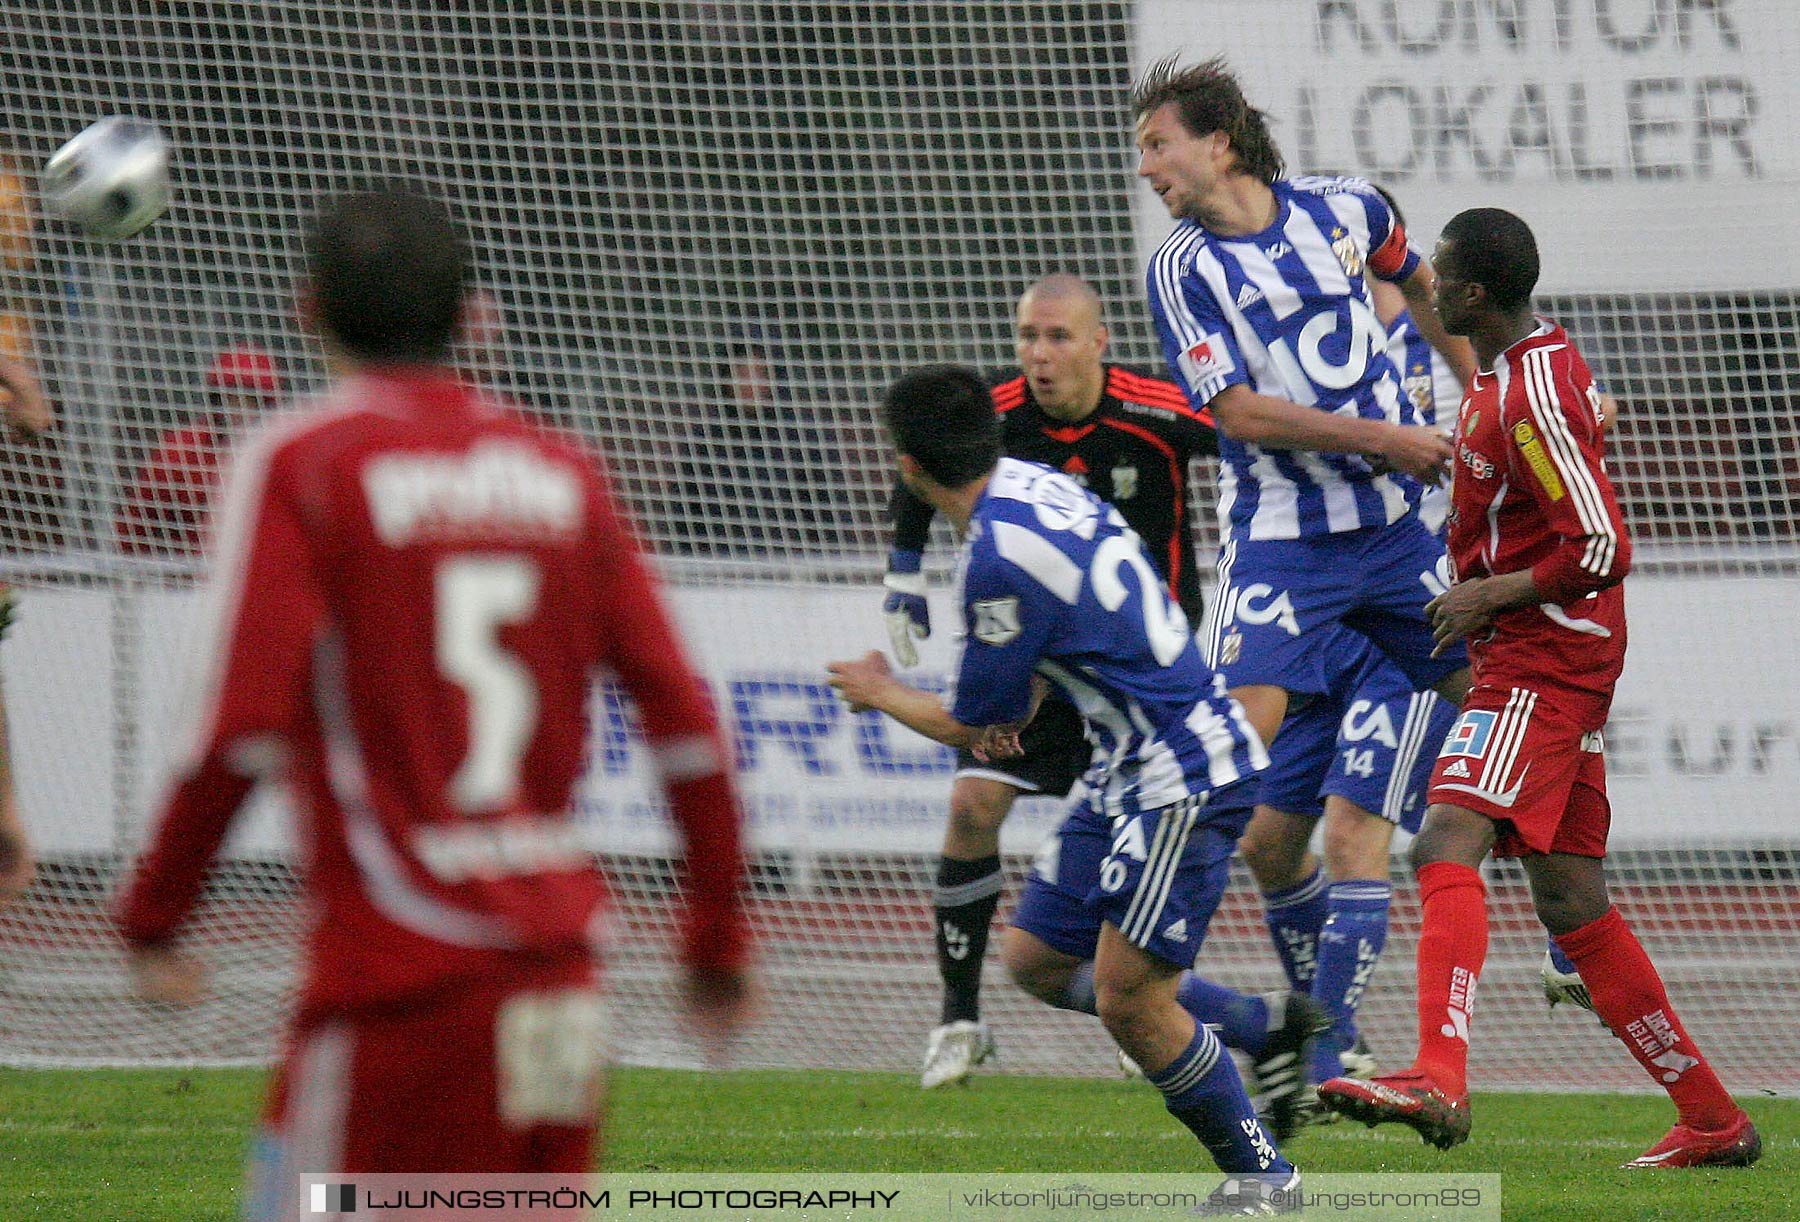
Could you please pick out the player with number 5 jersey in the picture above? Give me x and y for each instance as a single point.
(414, 592)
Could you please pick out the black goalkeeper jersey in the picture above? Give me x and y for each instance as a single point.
(1133, 451)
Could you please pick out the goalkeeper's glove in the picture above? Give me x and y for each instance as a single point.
(908, 614)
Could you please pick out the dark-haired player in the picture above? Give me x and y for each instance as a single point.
(1539, 551)
(415, 590)
(1056, 587)
(1128, 438)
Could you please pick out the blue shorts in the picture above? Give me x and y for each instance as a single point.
(1275, 597)
(1371, 738)
(1156, 876)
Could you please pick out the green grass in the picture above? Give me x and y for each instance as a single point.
(156, 1144)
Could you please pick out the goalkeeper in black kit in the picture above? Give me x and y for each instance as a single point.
(1130, 439)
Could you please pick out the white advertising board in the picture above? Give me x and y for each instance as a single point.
(1651, 144)
(1704, 745)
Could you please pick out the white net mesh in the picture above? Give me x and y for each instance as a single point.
(714, 231)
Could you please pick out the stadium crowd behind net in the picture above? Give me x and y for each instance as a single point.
(715, 231)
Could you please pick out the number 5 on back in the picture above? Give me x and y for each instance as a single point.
(475, 596)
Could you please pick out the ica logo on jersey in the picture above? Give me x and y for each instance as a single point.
(1278, 609)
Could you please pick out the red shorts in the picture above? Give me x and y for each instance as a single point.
(1523, 763)
(501, 1076)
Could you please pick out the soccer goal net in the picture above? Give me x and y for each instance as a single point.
(712, 233)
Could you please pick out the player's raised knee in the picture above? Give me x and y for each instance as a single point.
(977, 813)
(1032, 966)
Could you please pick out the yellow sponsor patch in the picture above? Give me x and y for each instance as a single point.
(1538, 460)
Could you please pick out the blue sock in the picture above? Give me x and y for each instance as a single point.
(1295, 917)
(1349, 948)
(1560, 961)
(1242, 1019)
(1202, 1090)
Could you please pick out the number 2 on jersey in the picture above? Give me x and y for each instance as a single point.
(1164, 623)
(475, 596)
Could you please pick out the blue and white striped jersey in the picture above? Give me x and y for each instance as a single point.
(1429, 383)
(1054, 582)
(1287, 312)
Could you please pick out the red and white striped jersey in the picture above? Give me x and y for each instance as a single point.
(1531, 492)
(414, 590)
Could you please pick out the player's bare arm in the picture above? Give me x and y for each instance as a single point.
(1418, 289)
(17, 862)
(165, 975)
(1002, 741)
(868, 683)
(1265, 420)
(22, 400)
(1470, 607)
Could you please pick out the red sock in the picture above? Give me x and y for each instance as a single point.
(1452, 947)
(1628, 994)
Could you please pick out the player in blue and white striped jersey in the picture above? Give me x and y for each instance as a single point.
(1357, 757)
(1056, 587)
(1265, 317)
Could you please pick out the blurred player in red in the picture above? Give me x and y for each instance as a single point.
(166, 507)
(415, 590)
(1539, 550)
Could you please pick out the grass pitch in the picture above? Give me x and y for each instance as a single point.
(155, 1145)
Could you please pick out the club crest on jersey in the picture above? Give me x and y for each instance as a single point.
(1124, 483)
(1343, 245)
(1470, 735)
(1531, 447)
(1473, 420)
(1205, 360)
(997, 620)
(1418, 389)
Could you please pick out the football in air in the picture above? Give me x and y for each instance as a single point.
(112, 179)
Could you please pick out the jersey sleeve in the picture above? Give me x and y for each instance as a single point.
(1197, 340)
(264, 609)
(682, 730)
(911, 515)
(1008, 620)
(1556, 457)
(1391, 257)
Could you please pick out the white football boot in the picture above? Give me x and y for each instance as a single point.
(954, 1052)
